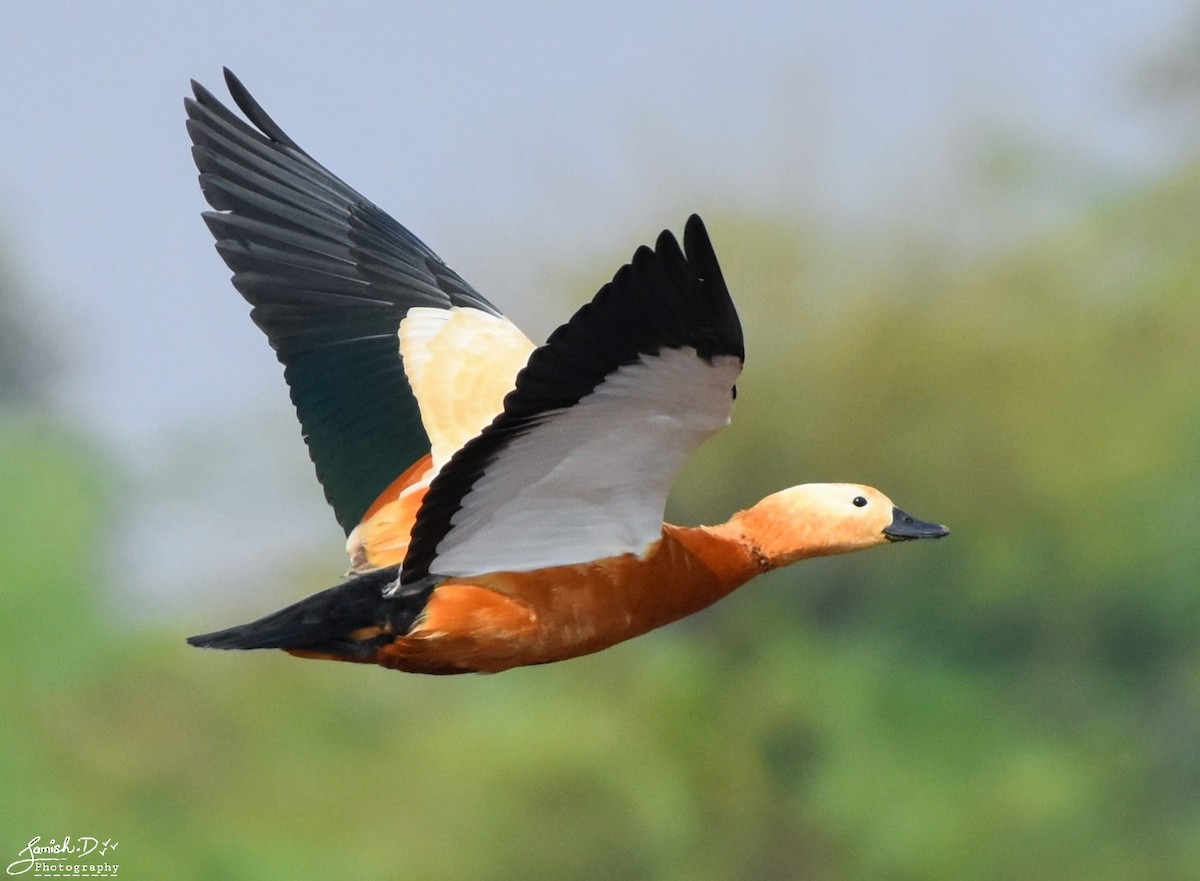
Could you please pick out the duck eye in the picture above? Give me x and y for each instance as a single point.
(860, 502)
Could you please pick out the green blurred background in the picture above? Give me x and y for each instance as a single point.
(1019, 701)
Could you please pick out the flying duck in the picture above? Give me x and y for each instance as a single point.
(503, 502)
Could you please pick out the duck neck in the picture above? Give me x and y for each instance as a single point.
(727, 551)
(774, 542)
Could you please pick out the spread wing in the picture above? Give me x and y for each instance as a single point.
(578, 464)
(330, 278)
(460, 364)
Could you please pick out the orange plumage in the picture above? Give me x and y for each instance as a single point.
(525, 525)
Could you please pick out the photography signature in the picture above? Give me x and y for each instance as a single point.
(49, 858)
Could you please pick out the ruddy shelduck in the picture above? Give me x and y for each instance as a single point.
(503, 502)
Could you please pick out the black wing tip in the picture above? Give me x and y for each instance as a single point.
(201, 99)
(667, 247)
(251, 109)
(231, 80)
(241, 95)
(696, 249)
(255, 113)
(702, 261)
(704, 272)
(696, 242)
(700, 251)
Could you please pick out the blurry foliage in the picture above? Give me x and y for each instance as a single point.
(1172, 76)
(26, 363)
(1019, 701)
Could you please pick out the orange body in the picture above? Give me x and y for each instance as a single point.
(501, 620)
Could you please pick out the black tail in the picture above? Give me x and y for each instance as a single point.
(350, 620)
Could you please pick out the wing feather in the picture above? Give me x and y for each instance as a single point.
(578, 464)
(329, 277)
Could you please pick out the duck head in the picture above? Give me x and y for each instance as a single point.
(819, 519)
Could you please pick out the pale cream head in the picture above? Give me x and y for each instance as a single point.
(817, 519)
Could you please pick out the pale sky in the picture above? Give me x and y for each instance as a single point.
(515, 138)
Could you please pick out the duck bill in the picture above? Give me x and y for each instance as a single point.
(905, 527)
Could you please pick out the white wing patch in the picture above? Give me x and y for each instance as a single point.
(460, 363)
(591, 481)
